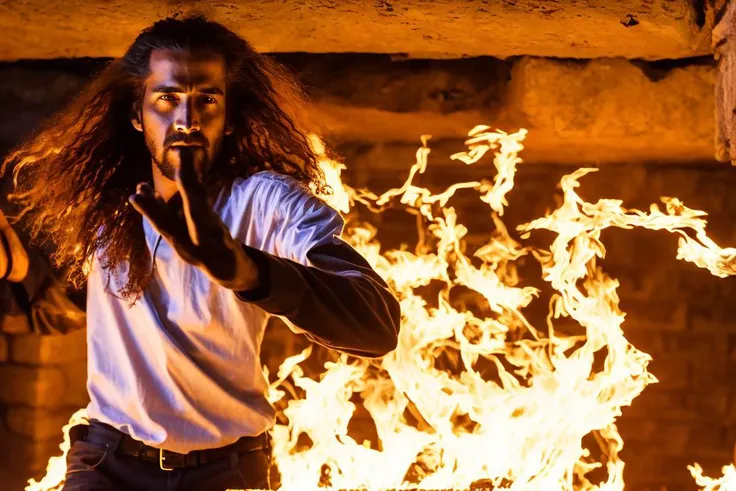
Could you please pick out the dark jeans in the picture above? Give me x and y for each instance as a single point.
(90, 467)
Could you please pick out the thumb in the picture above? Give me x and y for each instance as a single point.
(3, 260)
(3, 221)
(17, 252)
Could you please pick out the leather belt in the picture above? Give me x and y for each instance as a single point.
(124, 445)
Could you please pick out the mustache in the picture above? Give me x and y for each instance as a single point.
(190, 139)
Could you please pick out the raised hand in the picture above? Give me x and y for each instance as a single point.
(18, 255)
(194, 230)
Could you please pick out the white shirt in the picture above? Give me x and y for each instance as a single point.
(180, 369)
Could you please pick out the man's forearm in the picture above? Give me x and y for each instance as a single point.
(44, 301)
(339, 302)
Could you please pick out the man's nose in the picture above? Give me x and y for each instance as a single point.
(187, 120)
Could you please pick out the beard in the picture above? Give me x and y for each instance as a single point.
(168, 170)
(164, 164)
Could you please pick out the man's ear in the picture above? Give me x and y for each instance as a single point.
(229, 128)
(136, 119)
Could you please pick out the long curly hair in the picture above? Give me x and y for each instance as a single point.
(73, 177)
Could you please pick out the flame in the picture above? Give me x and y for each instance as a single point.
(441, 421)
(725, 483)
(56, 467)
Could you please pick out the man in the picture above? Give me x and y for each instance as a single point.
(31, 297)
(13, 256)
(182, 280)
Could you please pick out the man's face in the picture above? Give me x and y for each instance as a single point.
(183, 105)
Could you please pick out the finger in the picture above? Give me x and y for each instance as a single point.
(20, 256)
(3, 221)
(157, 213)
(3, 261)
(170, 226)
(200, 218)
(145, 189)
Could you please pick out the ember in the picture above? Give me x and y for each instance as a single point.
(527, 428)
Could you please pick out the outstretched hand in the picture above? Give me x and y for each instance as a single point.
(195, 231)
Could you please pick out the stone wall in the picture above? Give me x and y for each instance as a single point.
(599, 111)
(42, 380)
(680, 314)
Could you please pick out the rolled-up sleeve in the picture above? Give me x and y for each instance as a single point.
(321, 285)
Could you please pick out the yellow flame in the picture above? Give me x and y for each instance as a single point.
(725, 483)
(56, 467)
(441, 420)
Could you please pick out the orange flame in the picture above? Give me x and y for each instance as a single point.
(442, 427)
(725, 483)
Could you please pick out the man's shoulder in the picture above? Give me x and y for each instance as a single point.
(270, 178)
(267, 194)
(269, 185)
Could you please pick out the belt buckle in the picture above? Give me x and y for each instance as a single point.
(161, 459)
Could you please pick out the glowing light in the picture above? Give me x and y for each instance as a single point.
(56, 468)
(441, 422)
(725, 483)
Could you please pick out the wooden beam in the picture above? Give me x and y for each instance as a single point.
(416, 28)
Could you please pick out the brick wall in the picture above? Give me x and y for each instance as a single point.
(681, 315)
(42, 382)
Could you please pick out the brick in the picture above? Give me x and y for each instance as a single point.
(31, 386)
(635, 429)
(15, 479)
(3, 348)
(676, 434)
(654, 316)
(23, 453)
(639, 285)
(731, 412)
(668, 181)
(709, 372)
(672, 372)
(644, 465)
(43, 350)
(14, 323)
(75, 377)
(710, 405)
(712, 436)
(37, 424)
(717, 319)
(655, 251)
(703, 290)
(692, 344)
(681, 405)
(662, 405)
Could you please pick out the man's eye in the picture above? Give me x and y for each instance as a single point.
(168, 97)
(208, 99)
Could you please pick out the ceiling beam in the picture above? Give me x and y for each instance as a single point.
(39, 29)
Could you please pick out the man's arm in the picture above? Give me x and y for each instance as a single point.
(339, 301)
(337, 298)
(32, 299)
(13, 256)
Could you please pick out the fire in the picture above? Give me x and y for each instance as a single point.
(440, 422)
(725, 483)
(56, 467)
